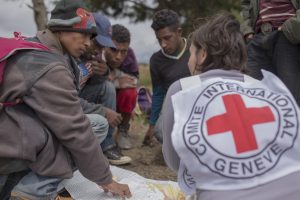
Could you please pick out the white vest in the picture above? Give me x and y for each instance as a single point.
(233, 135)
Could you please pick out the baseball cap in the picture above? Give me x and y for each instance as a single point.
(104, 31)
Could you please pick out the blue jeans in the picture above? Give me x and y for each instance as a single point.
(101, 93)
(36, 187)
(99, 125)
(29, 185)
(274, 53)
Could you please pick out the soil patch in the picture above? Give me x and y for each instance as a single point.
(147, 161)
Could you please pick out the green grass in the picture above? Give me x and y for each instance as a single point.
(145, 79)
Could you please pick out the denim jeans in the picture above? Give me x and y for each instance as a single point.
(101, 93)
(99, 126)
(274, 53)
(36, 187)
(29, 185)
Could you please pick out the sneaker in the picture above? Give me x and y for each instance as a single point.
(123, 141)
(115, 157)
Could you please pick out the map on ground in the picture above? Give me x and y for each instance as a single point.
(141, 188)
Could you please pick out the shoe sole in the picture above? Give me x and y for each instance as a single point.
(123, 161)
(126, 148)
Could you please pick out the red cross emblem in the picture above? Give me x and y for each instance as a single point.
(239, 120)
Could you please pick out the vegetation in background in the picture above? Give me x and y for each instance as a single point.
(141, 10)
(145, 79)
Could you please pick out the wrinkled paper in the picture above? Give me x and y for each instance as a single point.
(141, 188)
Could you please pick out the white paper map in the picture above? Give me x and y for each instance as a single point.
(141, 188)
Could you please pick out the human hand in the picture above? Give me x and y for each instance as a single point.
(115, 188)
(149, 139)
(249, 37)
(113, 118)
(99, 67)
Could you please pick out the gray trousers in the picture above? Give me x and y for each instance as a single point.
(274, 53)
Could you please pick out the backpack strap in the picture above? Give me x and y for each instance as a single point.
(8, 104)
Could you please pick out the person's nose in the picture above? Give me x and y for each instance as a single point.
(119, 55)
(163, 44)
(87, 42)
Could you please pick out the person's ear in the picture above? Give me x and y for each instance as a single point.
(202, 55)
(179, 31)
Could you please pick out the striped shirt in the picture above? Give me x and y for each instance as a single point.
(275, 12)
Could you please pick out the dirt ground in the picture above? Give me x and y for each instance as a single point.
(147, 161)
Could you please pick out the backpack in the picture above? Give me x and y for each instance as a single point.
(10, 47)
(144, 100)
